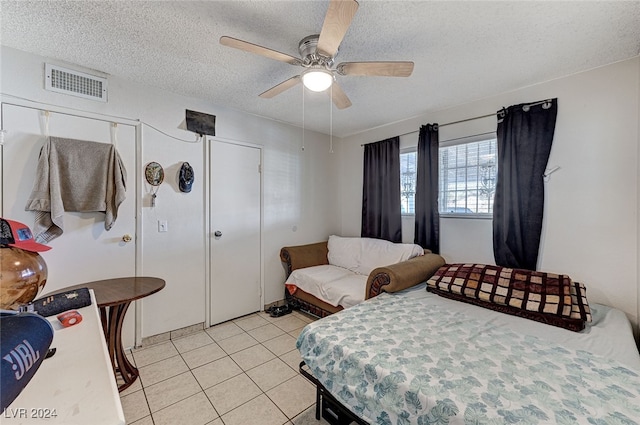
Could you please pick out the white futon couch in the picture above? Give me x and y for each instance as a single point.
(325, 277)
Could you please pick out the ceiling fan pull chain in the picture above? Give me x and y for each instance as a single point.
(331, 120)
(303, 118)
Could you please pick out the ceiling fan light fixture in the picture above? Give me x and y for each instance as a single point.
(317, 79)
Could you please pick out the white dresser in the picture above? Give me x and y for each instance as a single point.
(74, 387)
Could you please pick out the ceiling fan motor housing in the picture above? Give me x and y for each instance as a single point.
(309, 52)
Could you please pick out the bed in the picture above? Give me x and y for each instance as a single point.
(415, 357)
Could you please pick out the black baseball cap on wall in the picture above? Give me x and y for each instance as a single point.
(186, 178)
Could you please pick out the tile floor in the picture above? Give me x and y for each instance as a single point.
(241, 372)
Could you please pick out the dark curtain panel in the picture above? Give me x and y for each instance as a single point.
(381, 216)
(427, 228)
(525, 134)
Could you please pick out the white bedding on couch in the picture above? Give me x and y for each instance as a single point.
(344, 280)
(332, 284)
(363, 255)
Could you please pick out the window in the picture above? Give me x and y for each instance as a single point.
(408, 181)
(467, 175)
(467, 178)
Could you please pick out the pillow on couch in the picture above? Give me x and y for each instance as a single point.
(544, 297)
(344, 252)
(363, 255)
(379, 253)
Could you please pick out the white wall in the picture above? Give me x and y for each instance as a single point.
(591, 224)
(299, 202)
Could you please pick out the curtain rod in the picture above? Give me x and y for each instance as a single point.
(443, 125)
(524, 107)
(454, 122)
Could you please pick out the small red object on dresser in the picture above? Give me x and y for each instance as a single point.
(69, 318)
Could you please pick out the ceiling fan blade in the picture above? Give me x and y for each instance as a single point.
(338, 96)
(259, 50)
(285, 85)
(381, 69)
(335, 26)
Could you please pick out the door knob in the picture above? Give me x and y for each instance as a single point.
(217, 233)
(126, 238)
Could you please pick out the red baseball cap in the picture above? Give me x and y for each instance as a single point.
(18, 235)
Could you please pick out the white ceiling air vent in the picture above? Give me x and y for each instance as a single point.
(68, 81)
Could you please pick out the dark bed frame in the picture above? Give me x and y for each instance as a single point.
(327, 406)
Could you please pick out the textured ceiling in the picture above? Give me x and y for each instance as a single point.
(462, 51)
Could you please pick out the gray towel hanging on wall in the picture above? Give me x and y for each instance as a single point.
(79, 176)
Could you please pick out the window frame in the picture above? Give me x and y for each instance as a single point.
(444, 144)
(403, 151)
(463, 141)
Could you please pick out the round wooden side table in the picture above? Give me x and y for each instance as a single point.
(114, 297)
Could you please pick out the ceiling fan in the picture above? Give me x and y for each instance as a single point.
(317, 57)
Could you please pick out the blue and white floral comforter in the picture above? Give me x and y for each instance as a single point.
(391, 360)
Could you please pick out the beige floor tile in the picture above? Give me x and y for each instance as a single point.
(296, 332)
(129, 355)
(195, 410)
(144, 421)
(271, 374)
(250, 322)
(277, 319)
(164, 369)
(232, 393)
(265, 349)
(134, 406)
(290, 322)
(156, 339)
(193, 341)
(215, 372)
(281, 344)
(252, 357)
(237, 343)
(179, 333)
(223, 330)
(305, 317)
(293, 396)
(264, 333)
(203, 355)
(308, 417)
(171, 391)
(147, 355)
(292, 358)
(266, 316)
(260, 407)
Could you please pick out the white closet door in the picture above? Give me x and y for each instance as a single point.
(85, 251)
(235, 231)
